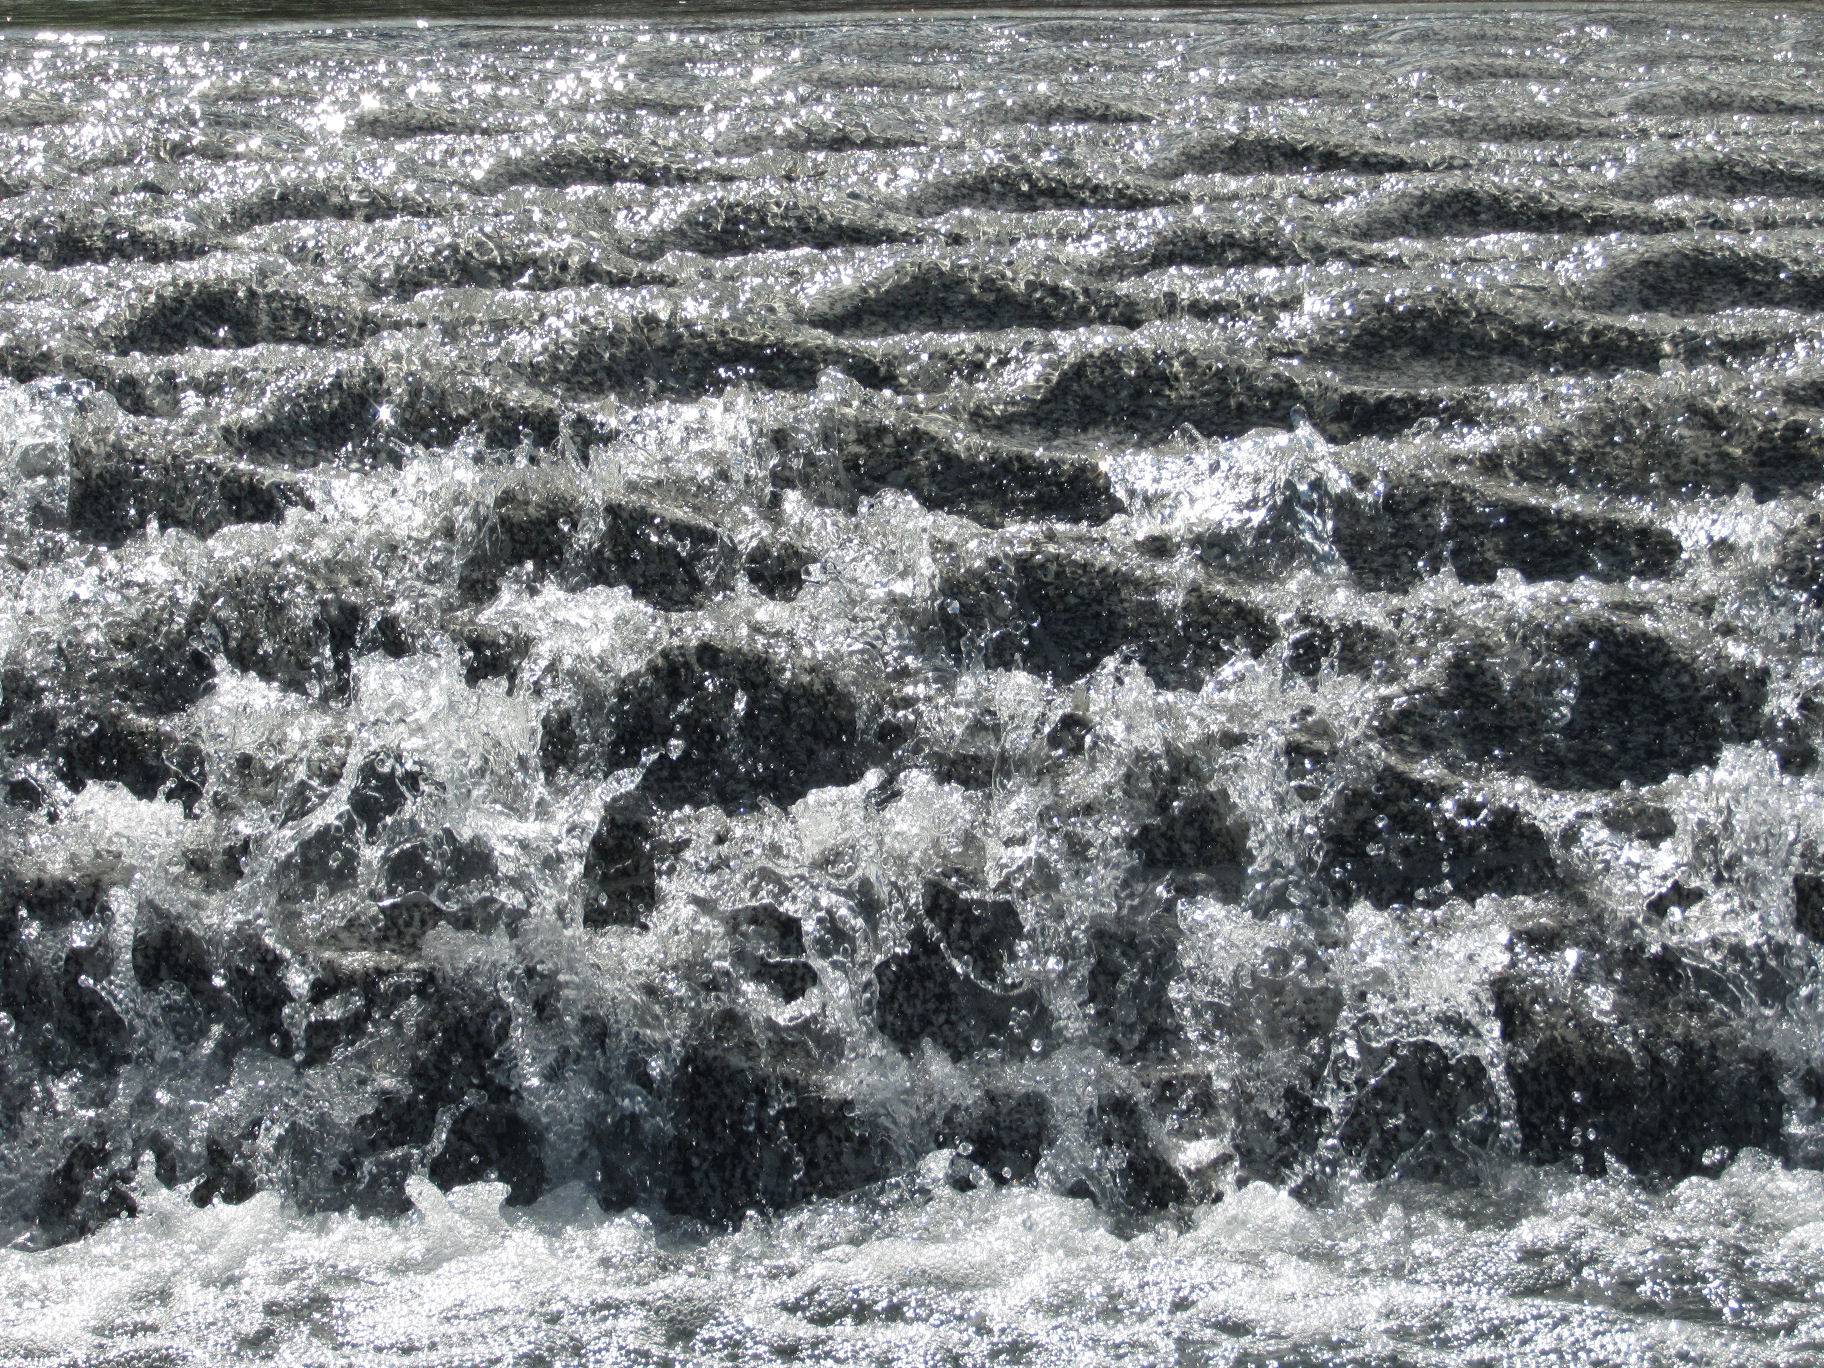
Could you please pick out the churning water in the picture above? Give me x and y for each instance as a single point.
(1040, 691)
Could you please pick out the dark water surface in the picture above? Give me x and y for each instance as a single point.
(1051, 689)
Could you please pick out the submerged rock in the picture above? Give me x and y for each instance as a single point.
(1628, 1053)
(714, 724)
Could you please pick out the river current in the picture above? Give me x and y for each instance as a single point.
(1041, 689)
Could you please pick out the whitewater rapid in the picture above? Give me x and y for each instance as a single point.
(1046, 689)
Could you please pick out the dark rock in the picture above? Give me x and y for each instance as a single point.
(455, 1040)
(531, 522)
(228, 1173)
(992, 483)
(777, 569)
(1132, 967)
(437, 863)
(1799, 564)
(325, 1164)
(1351, 648)
(1309, 749)
(313, 420)
(491, 1143)
(581, 160)
(225, 313)
(1640, 709)
(143, 660)
(114, 492)
(23, 791)
(779, 219)
(327, 1022)
(744, 1140)
(53, 984)
(650, 357)
(1677, 896)
(939, 295)
(1194, 836)
(1276, 1141)
(1025, 186)
(142, 755)
(1004, 1133)
(1068, 737)
(1398, 838)
(723, 725)
(1640, 820)
(1130, 1173)
(1061, 615)
(1702, 279)
(372, 411)
(620, 875)
(238, 976)
(61, 237)
(89, 1187)
(1793, 736)
(1808, 905)
(384, 784)
(1395, 539)
(1628, 1052)
(671, 562)
(1419, 1112)
(325, 858)
(1150, 392)
(772, 950)
(297, 635)
(953, 985)
(493, 653)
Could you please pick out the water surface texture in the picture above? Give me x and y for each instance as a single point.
(1038, 691)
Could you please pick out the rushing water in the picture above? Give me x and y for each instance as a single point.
(1038, 691)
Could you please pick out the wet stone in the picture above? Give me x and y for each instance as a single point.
(1393, 540)
(114, 493)
(772, 949)
(1001, 1132)
(744, 1141)
(1640, 708)
(492, 653)
(722, 725)
(954, 984)
(1194, 835)
(55, 989)
(1419, 1112)
(89, 1187)
(228, 1177)
(1130, 1174)
(1808, 905)
(1060, 616)
(490, 1143)
(237, 976)
(1398, 838)
(672, 562)
(1626, 1051)
(763, 633)
(385, 782)
(1640, 820)
(620, 874)
(207, 313)
(777, 569)
(993, 483)
(535, 523)
(1132, 968)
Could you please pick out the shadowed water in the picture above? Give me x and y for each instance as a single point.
(1047, 689)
